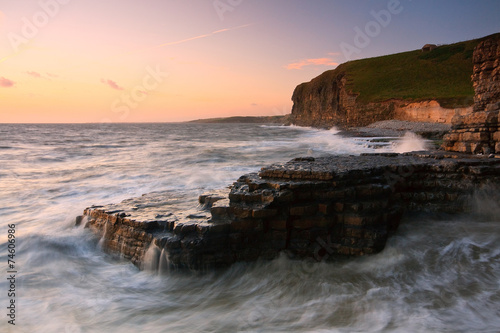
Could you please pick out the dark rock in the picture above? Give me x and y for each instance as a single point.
(207, 200)
(78, 220)
(296, 212)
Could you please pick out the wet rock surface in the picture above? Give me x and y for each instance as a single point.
(309, 208)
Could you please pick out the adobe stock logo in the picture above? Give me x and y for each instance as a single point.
(31, 27)
(131, 99)
(223, 6)
(372, 29)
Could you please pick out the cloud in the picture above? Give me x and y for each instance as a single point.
(254, 104)
(6, 83)
(37, 75)
(204, 35)
(312, 62)
(34, 74)
(111, 84)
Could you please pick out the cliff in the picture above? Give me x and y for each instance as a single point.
(429, 86)
(318, 208)
(326, 101)
(479, 130)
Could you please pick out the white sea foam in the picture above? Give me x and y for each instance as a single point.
(434, 275)
(410, 142)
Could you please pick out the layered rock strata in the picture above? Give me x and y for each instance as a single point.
(325, 102)
(478, 132)
(428, 111)
(317, 208)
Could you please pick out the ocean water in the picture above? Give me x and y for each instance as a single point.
(437, 274)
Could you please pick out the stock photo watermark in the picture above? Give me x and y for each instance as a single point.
(401, 174)
(324, 249)
(11, 274)
(265, 309)
(131, 99)
(372, 29)
(224, 6)
(31, 26)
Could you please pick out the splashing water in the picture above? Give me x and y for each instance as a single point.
(164, 262)
(410, 142)
(102, 241)
(433, 275)
(151, 260)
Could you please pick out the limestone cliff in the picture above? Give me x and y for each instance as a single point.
(326, 102)
(431, 86)
(479, 130)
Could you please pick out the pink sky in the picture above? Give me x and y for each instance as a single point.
(145, 61)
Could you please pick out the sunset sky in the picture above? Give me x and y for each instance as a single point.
(176, 60)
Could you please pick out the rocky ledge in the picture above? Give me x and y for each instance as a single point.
(309, 208)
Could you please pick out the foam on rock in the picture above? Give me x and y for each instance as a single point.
(316, 208)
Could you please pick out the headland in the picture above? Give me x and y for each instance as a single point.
(324, 207)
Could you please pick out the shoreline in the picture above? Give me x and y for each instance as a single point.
(385, 128)
(243, 120)
(398, 128)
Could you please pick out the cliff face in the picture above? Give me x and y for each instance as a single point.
(478, 131)
(317, 103)
(431, 86)
(486, 77)
(325, 102)
(428, 111)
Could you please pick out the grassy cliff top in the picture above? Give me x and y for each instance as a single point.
(443, 74)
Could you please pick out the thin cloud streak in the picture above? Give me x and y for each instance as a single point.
(205, 35)
(169, 43)
(112, 84)
(34, 74)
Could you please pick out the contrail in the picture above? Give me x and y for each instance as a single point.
(203, 36)
(160, 45)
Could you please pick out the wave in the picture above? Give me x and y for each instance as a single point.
(433, 275)
(410, 142)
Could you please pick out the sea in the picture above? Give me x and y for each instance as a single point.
(436, 274)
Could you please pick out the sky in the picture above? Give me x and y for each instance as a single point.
(72, 61)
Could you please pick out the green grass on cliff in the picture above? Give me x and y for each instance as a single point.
(443, 74)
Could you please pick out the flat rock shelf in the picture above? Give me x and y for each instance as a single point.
(318, 208)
